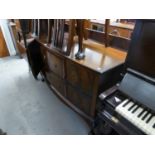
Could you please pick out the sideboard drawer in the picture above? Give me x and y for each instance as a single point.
(56, 64)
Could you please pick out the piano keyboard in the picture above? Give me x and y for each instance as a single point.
(140, 117)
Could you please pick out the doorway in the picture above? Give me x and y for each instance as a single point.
(7, 46)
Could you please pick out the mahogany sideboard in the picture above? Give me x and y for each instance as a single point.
(78, 82)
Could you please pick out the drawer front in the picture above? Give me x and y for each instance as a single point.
(80, 77)
(83, 102)
(56, 82)
(55, 64)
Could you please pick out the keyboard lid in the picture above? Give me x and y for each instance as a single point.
(139, 90)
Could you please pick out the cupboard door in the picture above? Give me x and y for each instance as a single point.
(80, 77)
(81, 101)
(85, 103)
(87, 81)
(72, 95)
(56, 82)
(72, 74)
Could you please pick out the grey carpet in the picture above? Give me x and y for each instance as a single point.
(28, 106)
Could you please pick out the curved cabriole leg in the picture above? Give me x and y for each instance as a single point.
(80, 29)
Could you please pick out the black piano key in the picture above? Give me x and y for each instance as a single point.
(148, 120)
(125, 104)
(135, 109)
(145, 115)
(141, 113)
(153, 125)
(131, 107)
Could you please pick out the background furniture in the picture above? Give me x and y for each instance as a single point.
(3, 48)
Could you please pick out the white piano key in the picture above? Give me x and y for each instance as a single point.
(138, 111)
(134, 116)
(120, 106)
(141, 123)
(133, 104)
(152, 132)
(124, 110)
(134, 119)
(143, 114)
(124, 102)
(150, 124)
(152, 121)
(128, 106)
(134, 108)
(147, 117)
(146, 125)
(129, 114)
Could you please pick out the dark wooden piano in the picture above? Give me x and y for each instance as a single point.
(129, 106)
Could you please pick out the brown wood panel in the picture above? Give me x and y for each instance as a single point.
(80, 77)
(3, 47)
(85, 104)
(72, 74)
(56, 64)
(82, 101)
(72, 95)
(56, 82)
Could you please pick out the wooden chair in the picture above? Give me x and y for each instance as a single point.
(101, 37)
(25, 30)
(64, 37)
(43, 30)
(109, 39)
(58, 33)
(35, 28)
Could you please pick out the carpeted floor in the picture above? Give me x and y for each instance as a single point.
(30, 107)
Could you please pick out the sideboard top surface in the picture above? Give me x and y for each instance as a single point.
(97, 57)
